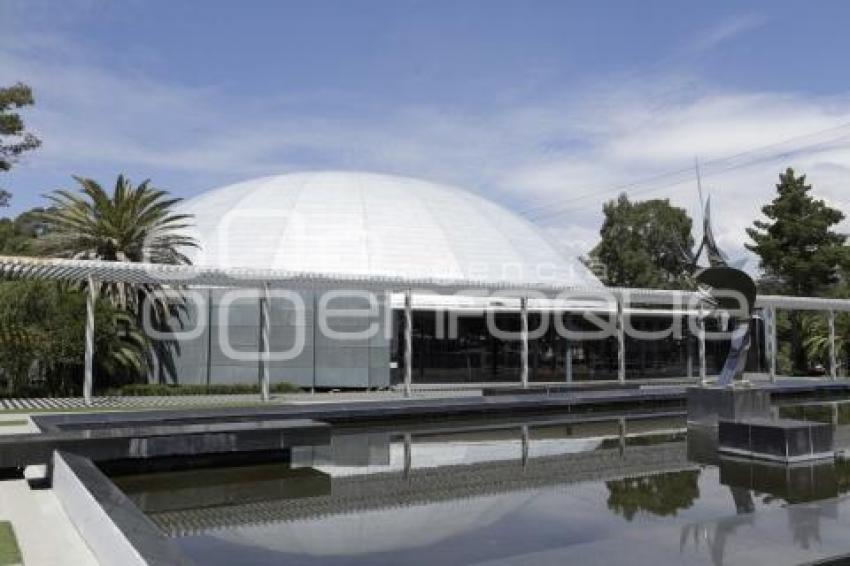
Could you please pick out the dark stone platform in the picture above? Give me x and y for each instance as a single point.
(795, 483)
(709, 404)
(152, 440)
(372, 411)
(782, 440)
(533, 401)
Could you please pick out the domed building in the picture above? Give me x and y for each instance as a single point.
(362, 225)
(366, 224)
(366, 228)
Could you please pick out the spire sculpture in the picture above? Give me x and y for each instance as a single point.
(726, 288)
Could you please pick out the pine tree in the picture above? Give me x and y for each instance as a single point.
(799, 249)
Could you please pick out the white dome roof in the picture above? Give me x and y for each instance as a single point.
(369, 224)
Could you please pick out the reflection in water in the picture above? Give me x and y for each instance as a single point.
(842, 476)
(508, 493)
(795, 483)
(743, 500)
(804, 523)
(834, 412)
(716, 534)
(794, 486)
(659, 494)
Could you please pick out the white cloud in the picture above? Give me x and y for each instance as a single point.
(642, 142)
(719, 125)
(573, 241)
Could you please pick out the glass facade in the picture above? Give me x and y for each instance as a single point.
(459, 347)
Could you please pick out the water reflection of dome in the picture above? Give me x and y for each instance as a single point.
(385, 530)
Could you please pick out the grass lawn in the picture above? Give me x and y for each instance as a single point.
(9, 551)
(13, 423)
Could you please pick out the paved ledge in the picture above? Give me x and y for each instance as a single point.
(60, 404)
(46, 536)
(113, 527)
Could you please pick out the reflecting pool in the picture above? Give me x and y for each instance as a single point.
(634, 489)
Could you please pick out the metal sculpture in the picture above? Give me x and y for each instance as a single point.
(728, 289)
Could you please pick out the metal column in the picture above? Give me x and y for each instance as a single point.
(525, 444)
(315, 341)
(408, 342)
(88, 379)
(621, 342)
(209, 337)
(833, 366)
(408, 455)
(772, 341)
(703, 372)
(523, 315)
(622, 433)
(568, 362)
(265, 348)
(768, 346)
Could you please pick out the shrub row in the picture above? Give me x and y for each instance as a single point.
(165, 390)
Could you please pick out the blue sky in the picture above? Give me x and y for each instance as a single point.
(548, 107)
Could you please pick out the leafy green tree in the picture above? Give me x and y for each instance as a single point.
(42, 340)
(19, 236)
(14, 139)
(639, 244)
(662, 494)
(800, 252)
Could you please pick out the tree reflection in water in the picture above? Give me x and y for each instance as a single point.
(716, 534)
(660, 494)
(804, 522)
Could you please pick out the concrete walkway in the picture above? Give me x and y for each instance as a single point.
(59, 404)
(199, 401)
(66, 403)
(45, 535)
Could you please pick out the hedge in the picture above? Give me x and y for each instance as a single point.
(166, 390)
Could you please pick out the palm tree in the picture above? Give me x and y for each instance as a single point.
(134, 224)
(817, 343)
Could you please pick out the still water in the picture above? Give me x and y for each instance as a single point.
(638, 489)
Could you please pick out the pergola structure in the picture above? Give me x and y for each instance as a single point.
(520, 297)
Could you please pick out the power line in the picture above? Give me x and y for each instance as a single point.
(715, 167)
(764, 159)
